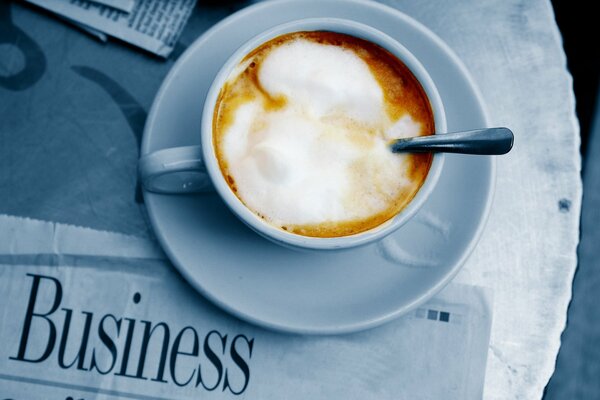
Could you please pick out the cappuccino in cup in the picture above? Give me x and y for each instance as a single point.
(301, 130)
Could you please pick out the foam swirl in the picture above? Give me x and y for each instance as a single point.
(302, 134)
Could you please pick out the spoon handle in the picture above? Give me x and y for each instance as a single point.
(490, 141)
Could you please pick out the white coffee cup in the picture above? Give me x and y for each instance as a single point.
(193, 169)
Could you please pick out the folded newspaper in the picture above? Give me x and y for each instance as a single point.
(88, 314)
(154, 25)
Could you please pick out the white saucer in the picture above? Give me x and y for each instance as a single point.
(314, 292)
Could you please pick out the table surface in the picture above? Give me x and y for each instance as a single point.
(77, 89)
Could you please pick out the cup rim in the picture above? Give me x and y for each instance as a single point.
(289, 239)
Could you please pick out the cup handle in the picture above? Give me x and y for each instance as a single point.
(175, 170)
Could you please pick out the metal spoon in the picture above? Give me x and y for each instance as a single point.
(488, 141)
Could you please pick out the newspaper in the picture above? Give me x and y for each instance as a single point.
(123, 5)
(154, 25)
(87, 314)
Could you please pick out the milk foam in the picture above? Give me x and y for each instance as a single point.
(323, 156)
(323, 80)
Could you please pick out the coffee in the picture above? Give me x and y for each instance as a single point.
(301, 131)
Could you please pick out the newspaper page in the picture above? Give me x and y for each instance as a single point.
(154, 25)
(95, 315)
(123, 5)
